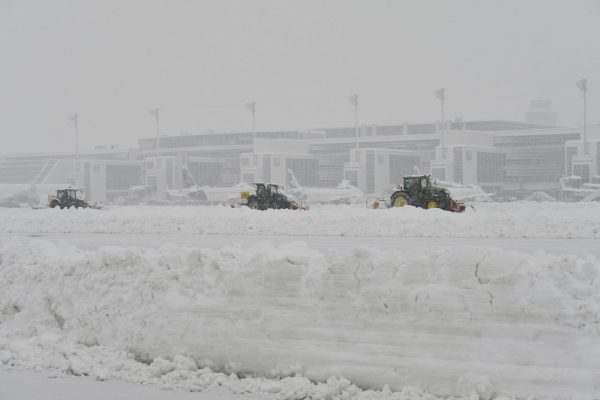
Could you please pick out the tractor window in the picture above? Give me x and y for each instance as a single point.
(274, 189)
(424, 183)
(60, 194)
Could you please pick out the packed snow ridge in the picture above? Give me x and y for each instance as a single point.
(302, 324)
(486, 220)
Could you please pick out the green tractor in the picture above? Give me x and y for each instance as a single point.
(267, 195)
(418, 191)
(67, 198)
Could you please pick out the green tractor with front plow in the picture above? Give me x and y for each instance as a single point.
(418, 191)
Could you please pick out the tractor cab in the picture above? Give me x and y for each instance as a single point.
(414, 186)
(416, 183)
(266, 191)
(67, 194)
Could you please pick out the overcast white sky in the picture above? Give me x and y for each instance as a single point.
(200, 61)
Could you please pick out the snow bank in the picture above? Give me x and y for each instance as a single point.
(31, 194)
(504, 220)
(471, 322)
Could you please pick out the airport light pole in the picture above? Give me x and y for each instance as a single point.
(582, 85)
(155, 112)
(354, 101)
(251, 106)
(75, 120)
(441, 96)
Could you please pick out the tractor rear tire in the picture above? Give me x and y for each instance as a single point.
(54, 204)
(399, 200)
(253, 204)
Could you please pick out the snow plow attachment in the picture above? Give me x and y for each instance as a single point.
(456, 206)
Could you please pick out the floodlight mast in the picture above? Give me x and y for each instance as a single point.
(582, 85)
(75, 120)
(354, 101)
(441, 95)
(155, 112)
(251, 106)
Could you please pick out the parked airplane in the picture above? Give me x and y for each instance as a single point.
(573, 189)
(463, 192)
(207, 194)
(22, 198)
(226, 195)
(26, 195)
(190, 191)
(343, 193)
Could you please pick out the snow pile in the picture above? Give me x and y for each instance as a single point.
(462, 192)
(472, 322)
(489, 220)
(12, 195)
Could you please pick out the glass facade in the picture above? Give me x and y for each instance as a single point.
(534, 158)
(490, 167)
(570, 152)
(598, 158)
(206, 173)
(458, 164)
(582, 171)
(122, 177)
(438, 173)
(401, 166)
(370, 164)
(305, 170)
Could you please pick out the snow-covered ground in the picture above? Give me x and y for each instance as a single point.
(94, 241)
(18, 384)
(335, 302)
(319, 324)
(490, 220)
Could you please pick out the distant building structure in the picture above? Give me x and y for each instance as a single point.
(540, 112)
(583, 159)
(504, 157)
(378, 170)
(271, 160)
(103, 180)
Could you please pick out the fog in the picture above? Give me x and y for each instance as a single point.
(316, 199)
(200, 62)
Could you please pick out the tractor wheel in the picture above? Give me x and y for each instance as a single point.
(399, 200)
(54, 203)
(253, 204)
(432, 204)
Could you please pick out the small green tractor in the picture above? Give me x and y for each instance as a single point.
(67, 198)
(267, 195)
(418, 191)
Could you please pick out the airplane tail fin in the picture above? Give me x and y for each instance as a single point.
(188, 179)
(292, 182)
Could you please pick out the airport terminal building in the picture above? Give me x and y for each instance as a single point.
(508, 158)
